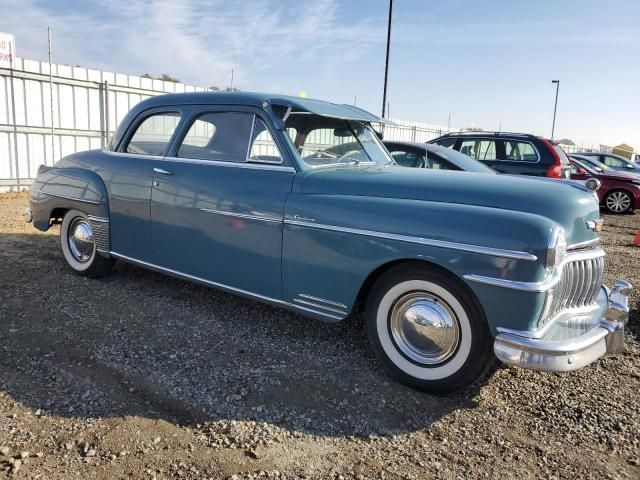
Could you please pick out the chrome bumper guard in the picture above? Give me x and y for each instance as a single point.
(28, 216)
(574, 341)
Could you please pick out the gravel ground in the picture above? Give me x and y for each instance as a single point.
(143, 376)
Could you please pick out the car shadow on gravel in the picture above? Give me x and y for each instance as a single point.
(138, 343)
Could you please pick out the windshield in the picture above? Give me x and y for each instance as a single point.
(595, 164)
(322, 141)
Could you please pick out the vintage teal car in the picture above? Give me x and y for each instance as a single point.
(297, 203)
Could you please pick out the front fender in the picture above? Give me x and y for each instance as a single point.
(332, 264)
(56, 188)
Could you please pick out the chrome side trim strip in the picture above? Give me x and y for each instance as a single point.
(317, 305)
(495, 252)
(544, 285)
(133, 155)
(68, 197)
(585, 244)
(241, 215)
(251, 166)
(221, 286)
(322, 300)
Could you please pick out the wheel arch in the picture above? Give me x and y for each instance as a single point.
(383, 269)
(634, 204)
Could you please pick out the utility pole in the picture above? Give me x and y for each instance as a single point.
(231, 88)
(386, 63)
(555, 108)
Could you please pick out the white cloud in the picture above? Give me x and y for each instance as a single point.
(197, 41)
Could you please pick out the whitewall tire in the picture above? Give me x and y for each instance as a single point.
(428, 329)
(79, 246)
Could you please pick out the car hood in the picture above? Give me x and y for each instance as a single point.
(562, 201)
(619, 176)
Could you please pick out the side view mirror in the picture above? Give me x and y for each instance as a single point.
(581, 171)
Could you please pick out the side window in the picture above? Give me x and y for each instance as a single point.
(263, 147)
(407, 159)
(612, 161)
(519, 151)
(153, 134)
(479, 149)
(219, 136)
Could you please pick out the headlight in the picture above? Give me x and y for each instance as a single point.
(557, 247)
(592, 184)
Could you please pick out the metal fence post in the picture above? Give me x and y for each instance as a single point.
(106, 112)
(15, 122)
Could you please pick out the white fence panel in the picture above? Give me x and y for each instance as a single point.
(84, 100)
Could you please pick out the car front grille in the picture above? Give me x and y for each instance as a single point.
(578, 287)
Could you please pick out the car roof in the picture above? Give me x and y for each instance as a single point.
(255, 99)
(481, 133)
(619, 157)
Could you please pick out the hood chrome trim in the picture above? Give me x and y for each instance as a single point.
(430, 242)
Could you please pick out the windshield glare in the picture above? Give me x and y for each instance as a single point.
(322, 141)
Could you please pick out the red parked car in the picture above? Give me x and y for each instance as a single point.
(619, 192)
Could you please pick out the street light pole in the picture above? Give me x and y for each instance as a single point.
(555, 108)
(386, 63)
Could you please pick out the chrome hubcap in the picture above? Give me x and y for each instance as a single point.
(424, 328)
(618, 202)
(81, 243)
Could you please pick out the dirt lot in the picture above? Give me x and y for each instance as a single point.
(143, 376)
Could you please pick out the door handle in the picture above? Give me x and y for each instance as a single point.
(162, 171)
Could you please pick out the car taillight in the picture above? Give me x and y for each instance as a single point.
(557, 169)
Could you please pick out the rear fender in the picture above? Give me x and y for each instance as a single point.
(60, 189)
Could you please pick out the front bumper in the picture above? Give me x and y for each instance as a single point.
(575, 339)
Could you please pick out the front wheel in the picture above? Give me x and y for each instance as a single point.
(428, 330)
(618, 201)
(79, 246)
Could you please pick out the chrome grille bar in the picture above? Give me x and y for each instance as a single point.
(578, 287)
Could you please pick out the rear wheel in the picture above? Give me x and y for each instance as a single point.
(618, 201)
(428, 330)
(79, 246)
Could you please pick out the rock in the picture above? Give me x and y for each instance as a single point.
(4, 450)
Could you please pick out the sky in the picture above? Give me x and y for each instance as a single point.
(488, 64)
